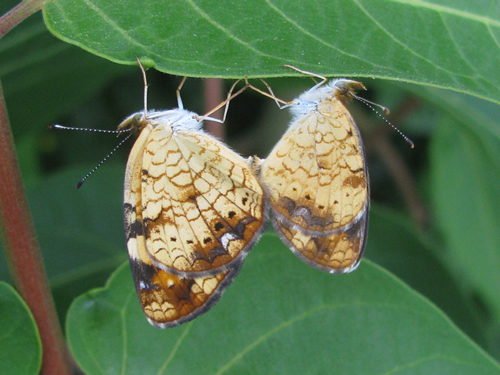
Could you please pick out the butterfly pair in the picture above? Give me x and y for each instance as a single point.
(193, 208)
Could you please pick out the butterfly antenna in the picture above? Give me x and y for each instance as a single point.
(80, 183)
(87, 129)
(372, 105)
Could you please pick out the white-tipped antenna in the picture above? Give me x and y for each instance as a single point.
(372, 105)
(88, 129)
(80, 183)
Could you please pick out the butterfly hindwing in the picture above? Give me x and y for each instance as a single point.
(334, 253)
(169, 300)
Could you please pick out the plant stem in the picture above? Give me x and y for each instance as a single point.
(23, 253)
(398, 168)
(19, 13)
(213, 97)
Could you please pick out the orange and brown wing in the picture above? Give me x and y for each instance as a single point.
(334, 253)
(317, 183)
(167, 299)
(316, 175)
(203, 207)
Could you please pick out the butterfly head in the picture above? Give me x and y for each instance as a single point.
(135, 123)
(341, 89)
(346, 89)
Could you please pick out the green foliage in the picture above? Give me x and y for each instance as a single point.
(466, 178)
(279, 315)
(20, 346)
(228, 39)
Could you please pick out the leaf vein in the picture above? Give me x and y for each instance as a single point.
(448, 10)
(315, 37)
(397, 41)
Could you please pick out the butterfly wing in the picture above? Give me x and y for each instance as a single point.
(317, 184)
(203, 206)
(334, 253)
(167, 299)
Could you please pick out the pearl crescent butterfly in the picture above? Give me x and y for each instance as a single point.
(193, 209)
(317, 181)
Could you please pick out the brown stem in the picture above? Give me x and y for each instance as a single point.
(213, 92)
(397, 167)
(23, 253)
(19, 13)
(403, 178)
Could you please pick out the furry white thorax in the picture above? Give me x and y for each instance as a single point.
(309, 100)
(177, 119)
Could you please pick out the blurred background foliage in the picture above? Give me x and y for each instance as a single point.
(436, 209)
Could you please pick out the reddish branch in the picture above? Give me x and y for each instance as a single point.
(18, 233)
(213, 97)
(22, 11)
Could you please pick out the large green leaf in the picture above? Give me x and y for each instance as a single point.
(395, 243)
(448, 44)
(20, 345)
(465, 186)
(452, 45)
(280, 316)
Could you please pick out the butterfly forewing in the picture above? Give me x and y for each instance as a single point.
(317, 183)
(193, 208)
(166, 299)
(203, 205)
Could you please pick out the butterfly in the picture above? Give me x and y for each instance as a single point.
(193, 208)
(316, 178)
